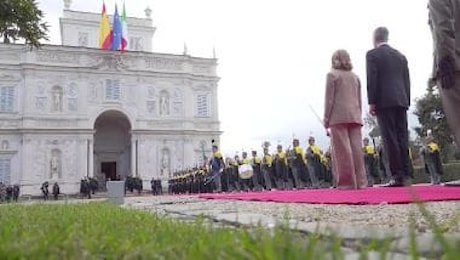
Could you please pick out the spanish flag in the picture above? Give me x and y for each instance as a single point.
(105, 35)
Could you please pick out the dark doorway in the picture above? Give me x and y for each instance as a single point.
(110, 170)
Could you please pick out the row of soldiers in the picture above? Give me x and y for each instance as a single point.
(9, 192)
(283, 170)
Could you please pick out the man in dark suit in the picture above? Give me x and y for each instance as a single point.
(388, 89)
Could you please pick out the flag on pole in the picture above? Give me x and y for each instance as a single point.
(116, 31)
(105, 35)
(124, 29)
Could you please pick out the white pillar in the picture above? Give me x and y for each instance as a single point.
(91, 158)
(133, 157)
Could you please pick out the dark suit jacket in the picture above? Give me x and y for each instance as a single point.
(388, 82)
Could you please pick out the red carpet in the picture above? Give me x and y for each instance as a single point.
(375, 195)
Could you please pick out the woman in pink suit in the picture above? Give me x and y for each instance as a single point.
(342, 115)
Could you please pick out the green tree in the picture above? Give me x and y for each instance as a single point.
(22, 19)
(430, 114)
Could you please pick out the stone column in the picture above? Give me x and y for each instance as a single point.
(133, 157)
(91, 158)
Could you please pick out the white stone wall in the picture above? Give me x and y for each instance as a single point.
(61, 91)
(82, 29)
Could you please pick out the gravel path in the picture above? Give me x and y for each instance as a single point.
(446, 213)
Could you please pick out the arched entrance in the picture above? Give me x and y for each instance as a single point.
(112, 145)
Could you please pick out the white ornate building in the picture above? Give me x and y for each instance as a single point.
(74, 110)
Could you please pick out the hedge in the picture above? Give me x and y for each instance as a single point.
(451, 173)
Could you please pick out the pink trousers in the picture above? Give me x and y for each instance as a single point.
(347, 157)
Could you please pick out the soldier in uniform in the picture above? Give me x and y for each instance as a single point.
(246, 184)
(16, 191)
(9, 193)
(217, 167)
(267, 170)
(298, 165)
(281, 167)
(313, 157)
(256, 177)
(369, 161)
(384, 164)
(56, 191)
(45, 190)
(432, 159)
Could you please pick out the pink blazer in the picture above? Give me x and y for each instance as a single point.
(343, 99)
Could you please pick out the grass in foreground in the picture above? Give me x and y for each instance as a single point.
(105, 231)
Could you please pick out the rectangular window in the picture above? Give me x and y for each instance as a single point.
(112, 89)
(202, 106)
(5, 171)
(6, 99)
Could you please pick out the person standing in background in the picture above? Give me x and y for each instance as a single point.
(388, 90)
(342, 114)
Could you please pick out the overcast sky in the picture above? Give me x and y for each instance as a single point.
(274, 54)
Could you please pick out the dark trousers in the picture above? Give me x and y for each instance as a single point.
(393, 126)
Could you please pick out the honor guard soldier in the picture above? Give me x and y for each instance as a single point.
(298, 166)
(432, 158)
(256, 177)
(369, 161)
(267, 171)
(281, 168)
(246, 183)
(217, 167)
(313, 155)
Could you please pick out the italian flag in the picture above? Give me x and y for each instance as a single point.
(124, 30)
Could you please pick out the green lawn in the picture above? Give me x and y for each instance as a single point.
(106, 231)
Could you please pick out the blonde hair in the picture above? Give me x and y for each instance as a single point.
(341, 60)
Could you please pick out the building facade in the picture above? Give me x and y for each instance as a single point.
(72, 111)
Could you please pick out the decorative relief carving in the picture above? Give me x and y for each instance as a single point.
(177, 94)
(73, 104)
(8, 123)
(177, 108)
(57, 123)
(72, 90)
(113, 62)
(41, 88)
(201, 69)
(151, 107)
(151, 92)
(163, 64)
(9, 77)
(93, 90)
(40, 103)
(57, 57)
(69, 167)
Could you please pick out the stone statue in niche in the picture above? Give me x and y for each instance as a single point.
(57, 99)
(55, 164)
(164, 103)
(165, 163)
